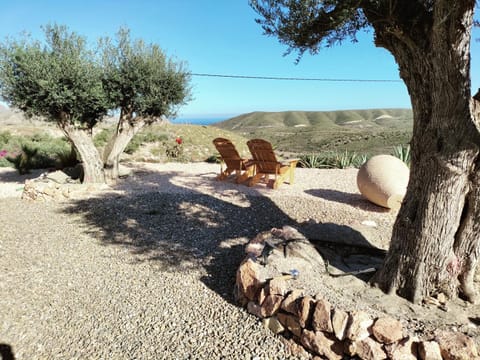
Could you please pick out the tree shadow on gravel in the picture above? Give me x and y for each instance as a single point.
(10, 175)
(6, 352)
(355, 200)
(183, 229)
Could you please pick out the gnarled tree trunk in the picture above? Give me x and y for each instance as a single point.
(91, 160)
(127, 127)
(435, 239)
(467, 242)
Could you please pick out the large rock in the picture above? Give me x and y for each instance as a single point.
(456, 346)
(383, 180)
(248, 281)
(322, 345)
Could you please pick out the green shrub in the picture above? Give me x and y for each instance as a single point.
(403, 153)
(23, 162)
(174, 151)
(214, 159)
(5, 137)
(152, 136)
(67, 158)
(36, 152)
(101, 139)
(144, 138)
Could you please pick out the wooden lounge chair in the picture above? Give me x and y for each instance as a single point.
(266, 164)
(243, 168)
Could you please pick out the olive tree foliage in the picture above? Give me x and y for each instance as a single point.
(145, 85)
(60, 80)
(435, 241)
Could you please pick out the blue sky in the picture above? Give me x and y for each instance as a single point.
(221, 37)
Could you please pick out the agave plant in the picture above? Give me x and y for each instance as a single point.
(332, 160)
(348, 159)
(403, 153)
(313, 161)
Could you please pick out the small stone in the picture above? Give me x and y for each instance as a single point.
(406, 349)
(254, 249)
(289, 304)
(367, 349)
(442, 298)
(305, 307)
(291, 323)
(296, 349)
(322, 318)
(248, 281)
(58, 176)
(339, 323)
(359, 326)
(262, 295)
(254, 309)
(277, 286)
(49, 191)
(322, 345)
(429, 350)
(273, 324)
(369, 223)
(455, 345)
(271, 305)
(387, 330)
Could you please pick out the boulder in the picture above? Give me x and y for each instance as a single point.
(383, 180)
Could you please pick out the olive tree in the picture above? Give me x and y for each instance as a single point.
(66, 82)
(435, 240)
(60, 80)
(144, 84)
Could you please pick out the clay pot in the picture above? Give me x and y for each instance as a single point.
(383, 180)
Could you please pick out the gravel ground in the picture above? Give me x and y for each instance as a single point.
(146, 271)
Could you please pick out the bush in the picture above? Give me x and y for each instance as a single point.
(214, 159)
(175, 150)
(5, 137)
(101, 139)
(37, 152)
(23, 162)
(144, 138)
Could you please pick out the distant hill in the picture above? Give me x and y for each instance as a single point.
(373, 131)
(326, 120)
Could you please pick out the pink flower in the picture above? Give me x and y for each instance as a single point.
(3, 153)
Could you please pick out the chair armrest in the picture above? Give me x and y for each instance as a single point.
(292, 162)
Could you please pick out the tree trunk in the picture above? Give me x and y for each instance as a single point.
(467, 243)
(435, 239)
(126, 129)
(90, 157)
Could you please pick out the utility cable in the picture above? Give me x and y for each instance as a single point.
(290, 78)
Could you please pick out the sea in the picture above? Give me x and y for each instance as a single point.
(198, 121)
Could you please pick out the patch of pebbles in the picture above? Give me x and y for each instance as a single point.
(163, 291)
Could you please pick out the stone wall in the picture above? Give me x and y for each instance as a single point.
(320, 327)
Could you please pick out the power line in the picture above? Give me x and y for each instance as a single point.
(290, 78)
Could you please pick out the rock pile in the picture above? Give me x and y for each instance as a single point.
(57, 186)
(275, 282)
